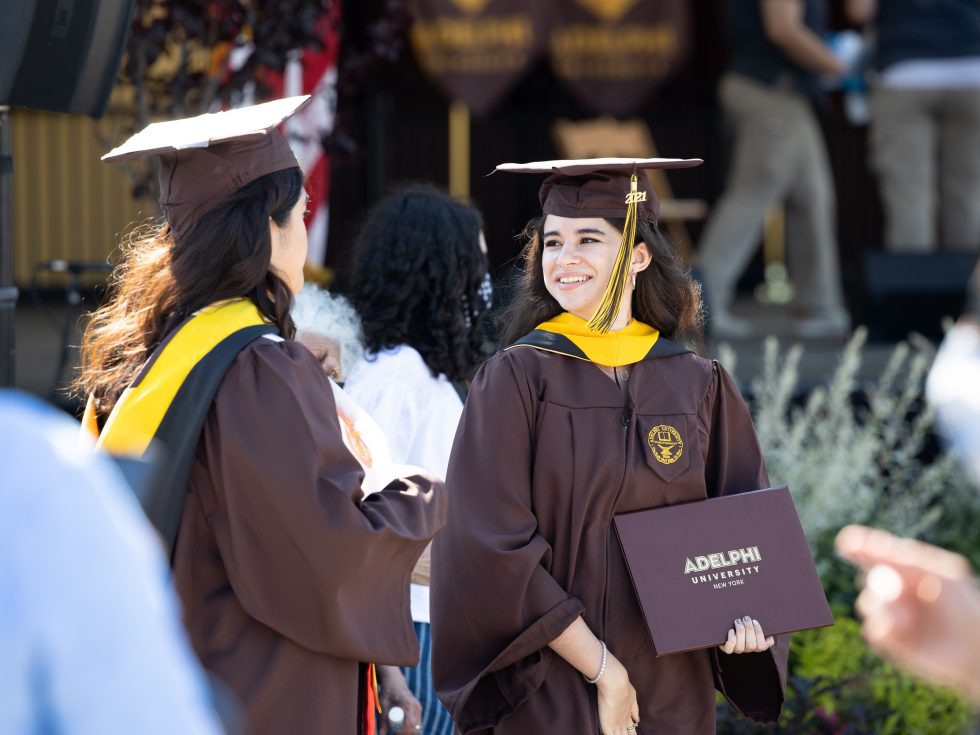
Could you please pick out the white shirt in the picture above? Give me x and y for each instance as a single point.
(957, 73)
(418, 414)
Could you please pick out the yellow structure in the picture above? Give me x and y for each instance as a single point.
(67, 203)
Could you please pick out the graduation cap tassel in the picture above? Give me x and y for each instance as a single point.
(605, 315)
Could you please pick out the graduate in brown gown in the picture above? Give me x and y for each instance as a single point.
(292, 581)
(596, 408)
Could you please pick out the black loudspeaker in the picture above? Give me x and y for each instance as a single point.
(61, 55)
(906, 293)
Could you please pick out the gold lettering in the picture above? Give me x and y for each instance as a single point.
(465, 33)
(615, 40)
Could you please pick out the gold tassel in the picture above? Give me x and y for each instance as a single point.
(605, 315)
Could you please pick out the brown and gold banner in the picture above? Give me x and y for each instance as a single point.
(611, 54)
(476, 50)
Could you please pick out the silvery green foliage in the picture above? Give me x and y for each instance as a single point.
(853, 454)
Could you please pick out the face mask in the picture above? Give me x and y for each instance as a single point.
(953, 390)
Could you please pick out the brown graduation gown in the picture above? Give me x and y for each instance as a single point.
(541, 464)
(288, 580)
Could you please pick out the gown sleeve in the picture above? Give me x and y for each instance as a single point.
(754, 683)
(495, 606)
(305, 553)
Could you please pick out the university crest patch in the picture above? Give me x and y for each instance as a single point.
(666, 444)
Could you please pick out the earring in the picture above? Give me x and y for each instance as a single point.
(634, 280)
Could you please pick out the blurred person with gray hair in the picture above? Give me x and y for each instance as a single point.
(329, 327)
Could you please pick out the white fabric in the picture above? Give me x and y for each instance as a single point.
(420, 603)
(418, 414)
(953, 390)
(365, 440)
(957, 73)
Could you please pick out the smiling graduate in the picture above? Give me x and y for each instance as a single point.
(598, 407)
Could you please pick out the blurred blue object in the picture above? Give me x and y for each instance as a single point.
(850, 47)
(90, 631)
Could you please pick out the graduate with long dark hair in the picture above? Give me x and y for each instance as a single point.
(293, 583)
(597, 407)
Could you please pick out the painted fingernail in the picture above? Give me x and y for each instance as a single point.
(747, 619)
(738, 621)
(754, 621)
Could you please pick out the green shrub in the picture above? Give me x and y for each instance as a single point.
(853, 455)
(838, 685)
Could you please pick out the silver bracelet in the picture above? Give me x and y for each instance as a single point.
(602, 665)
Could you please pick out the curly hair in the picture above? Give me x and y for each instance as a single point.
(318, 311)
(416, 279)
(163, 280)
(666, 297)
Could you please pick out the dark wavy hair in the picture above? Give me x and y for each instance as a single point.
(416, 279)
(666, 297)
(161, 281)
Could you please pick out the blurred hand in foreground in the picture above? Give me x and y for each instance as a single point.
(920, 604)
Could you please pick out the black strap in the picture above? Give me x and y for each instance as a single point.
(551, 341)
(554, 342)
(666, 348)
(175, 442)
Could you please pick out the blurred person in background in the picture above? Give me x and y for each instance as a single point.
(330, 328)
(89, 626)
(293, 582)
(925, 119)
(768, 93)
(420, 285)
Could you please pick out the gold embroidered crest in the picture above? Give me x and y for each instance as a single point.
(666, 443)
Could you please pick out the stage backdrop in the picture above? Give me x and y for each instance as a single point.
(612, 54)
(477, 50)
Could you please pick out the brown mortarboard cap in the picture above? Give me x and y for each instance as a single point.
(597, 187)
(603, 187)
(206, 158)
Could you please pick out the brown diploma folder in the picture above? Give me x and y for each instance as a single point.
(698, 566)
